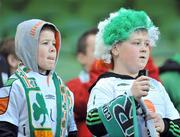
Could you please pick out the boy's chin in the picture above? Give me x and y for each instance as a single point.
(49, 68)
(142, 67)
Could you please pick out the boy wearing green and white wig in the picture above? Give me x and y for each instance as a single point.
(117, 104)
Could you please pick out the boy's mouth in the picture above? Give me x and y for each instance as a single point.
(142, 57)
(51, 58)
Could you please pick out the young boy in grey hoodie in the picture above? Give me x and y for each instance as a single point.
(35, 102)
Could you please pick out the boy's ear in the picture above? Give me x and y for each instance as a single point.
(115, 50)
(12, 61)
(81, 58)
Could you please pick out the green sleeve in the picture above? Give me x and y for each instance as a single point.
(172, 128)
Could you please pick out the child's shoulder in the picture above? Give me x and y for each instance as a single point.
(154, 81)
(107, 80)
(21, 78)
(62, 83)
(11, 80)
(155, 84)
(104, 83)
(13, 86)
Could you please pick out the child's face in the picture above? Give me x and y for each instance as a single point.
(134, 52)
(47, 50)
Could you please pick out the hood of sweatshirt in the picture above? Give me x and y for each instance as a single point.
(27, 39)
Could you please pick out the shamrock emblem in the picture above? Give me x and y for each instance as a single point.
(40, 109)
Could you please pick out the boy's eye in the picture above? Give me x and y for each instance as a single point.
(136, 43)
(45, 43)
(147, 44)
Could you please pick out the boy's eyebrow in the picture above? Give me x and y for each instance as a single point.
(139, 40)
(47, 39)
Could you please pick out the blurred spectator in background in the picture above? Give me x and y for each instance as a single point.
(80, 85)
(9, 59)
(3, 71)
(170, 76)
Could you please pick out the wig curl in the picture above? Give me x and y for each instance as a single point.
(118, 27)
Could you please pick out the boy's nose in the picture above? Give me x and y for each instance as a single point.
(52, 49)
(144, 48)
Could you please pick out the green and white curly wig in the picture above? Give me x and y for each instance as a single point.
(118, 27)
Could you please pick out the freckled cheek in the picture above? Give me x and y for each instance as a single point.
(132, 54)
(42, 57)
